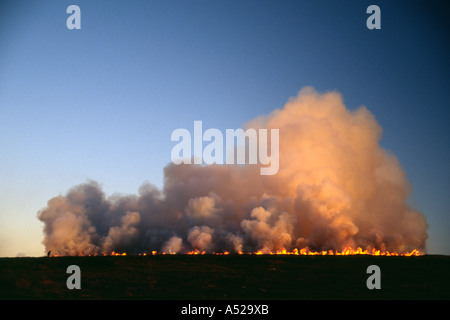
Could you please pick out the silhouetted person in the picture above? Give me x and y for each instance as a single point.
(48, 253)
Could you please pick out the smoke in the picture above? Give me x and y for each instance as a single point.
(336, 187)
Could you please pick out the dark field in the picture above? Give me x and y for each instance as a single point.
(234, 277)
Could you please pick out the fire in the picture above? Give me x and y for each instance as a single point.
(306, 252)
(296, 252)
(118, 254)
(346, 252)
(195, 252)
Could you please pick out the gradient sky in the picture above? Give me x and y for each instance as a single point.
(101, 103)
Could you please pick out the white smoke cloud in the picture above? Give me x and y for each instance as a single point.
(173, 245)
(269, 237)
(201, 238)
(123, 235)
(335, 187)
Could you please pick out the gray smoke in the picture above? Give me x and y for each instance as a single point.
(336, 187)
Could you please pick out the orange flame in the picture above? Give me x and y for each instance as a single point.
(118, 254)
(347, 251)
(302, 252)
(306, 252)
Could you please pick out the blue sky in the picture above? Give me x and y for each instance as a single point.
(101, 102)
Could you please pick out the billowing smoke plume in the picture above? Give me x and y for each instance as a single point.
(336, 187)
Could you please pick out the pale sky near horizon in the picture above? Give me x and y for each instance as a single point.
(101, 102)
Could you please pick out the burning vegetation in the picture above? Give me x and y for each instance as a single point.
(295, 252)
(336, 189)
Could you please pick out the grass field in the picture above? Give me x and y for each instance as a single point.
(234, 277)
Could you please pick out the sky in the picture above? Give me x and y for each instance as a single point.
(100, 103)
